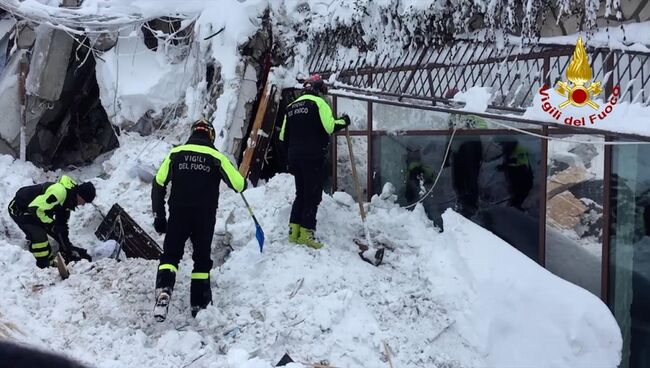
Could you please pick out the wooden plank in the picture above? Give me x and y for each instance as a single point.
(264, 140)
(253, 138)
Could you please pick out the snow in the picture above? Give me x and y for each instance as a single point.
(476, 99)
(144, 80)
(462, 298)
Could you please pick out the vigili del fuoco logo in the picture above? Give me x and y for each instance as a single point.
(580, 91)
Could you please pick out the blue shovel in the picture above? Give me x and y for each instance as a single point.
(259, 233)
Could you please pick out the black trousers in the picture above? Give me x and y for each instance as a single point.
(197, 224)
(465, 172)
(35, 232)
(310, 177)
(520, 182)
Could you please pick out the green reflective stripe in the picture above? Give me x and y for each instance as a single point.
(478, 122)
(67, 182)
(163, 172)
(414, 165)
(40, 245)
(44, 253)
(284, 124)
(41, 204)
(168, 266)
(520, 156)
(232, 175)
(326, 116)
(200, 275)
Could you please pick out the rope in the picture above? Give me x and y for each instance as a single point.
(603, 143)
(442, 166)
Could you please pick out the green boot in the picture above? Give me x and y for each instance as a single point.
(307, 238)
(294, 233)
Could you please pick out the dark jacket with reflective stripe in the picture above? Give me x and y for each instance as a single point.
(307, 126)
(195, 170)
(48, 202)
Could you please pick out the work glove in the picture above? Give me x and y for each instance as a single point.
(74, 254)
(160, 224)
(80, 253)
(347, 120)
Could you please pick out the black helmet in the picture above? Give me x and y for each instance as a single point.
(202, 125)
(86, 191)
(315, 84)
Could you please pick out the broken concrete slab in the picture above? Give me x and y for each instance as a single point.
(49, 64)
(10, 105)
(565, 179)
(565, 210)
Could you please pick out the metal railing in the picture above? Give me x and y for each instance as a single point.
(513, 72)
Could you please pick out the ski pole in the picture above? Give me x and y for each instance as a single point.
(259, 233)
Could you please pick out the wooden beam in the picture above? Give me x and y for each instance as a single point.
(244, 168)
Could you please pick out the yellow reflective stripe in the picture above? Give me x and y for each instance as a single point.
(67, 182)
(41, 204)
(284, 124)
(235, 178)
(200, 275)
(478, 122)
(168, 266)
(40, 245)
(163, 172)
(12, 209)
(520, 156)
(44, 253)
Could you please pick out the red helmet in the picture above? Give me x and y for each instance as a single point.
(451, 93)
(315, 84)
(202, 125)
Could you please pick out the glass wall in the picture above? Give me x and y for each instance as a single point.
(629, 254)
(574, 210)
(344, 179)
(490, 179)
(493, 177)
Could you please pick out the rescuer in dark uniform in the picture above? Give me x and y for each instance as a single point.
(195, 170)
(44, 209)
(306, 129)
(518, 172)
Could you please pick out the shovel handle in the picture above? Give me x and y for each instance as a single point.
(355, 178)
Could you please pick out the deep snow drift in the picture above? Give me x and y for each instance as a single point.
(462, 298)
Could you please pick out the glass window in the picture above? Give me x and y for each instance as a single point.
(344, 179)
(396, 118)
(629, 258)
(491, 179)
(356, 109)
(574, 210)
(391, 118)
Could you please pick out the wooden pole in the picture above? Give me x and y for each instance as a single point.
(357, 187)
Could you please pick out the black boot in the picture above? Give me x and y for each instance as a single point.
(200, 295)
(165, 280)
(163, 297)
